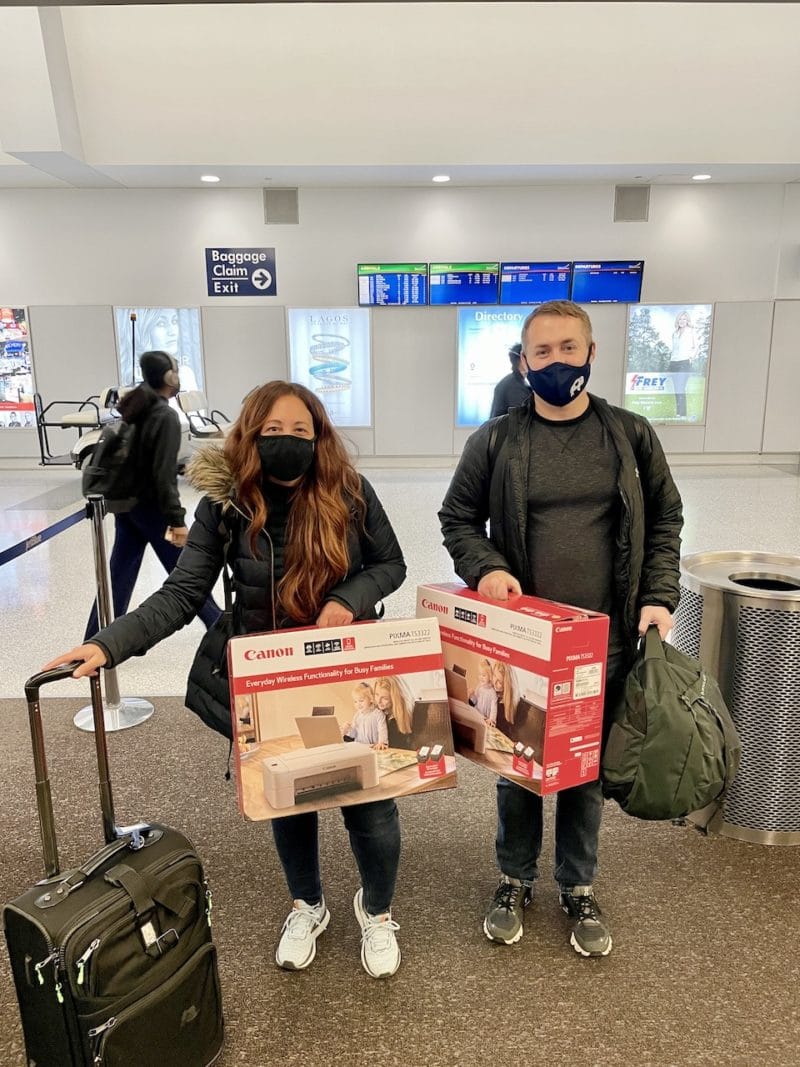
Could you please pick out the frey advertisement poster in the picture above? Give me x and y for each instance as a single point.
(484, 338)
(666, 371)
(329, 352)
(340, 716)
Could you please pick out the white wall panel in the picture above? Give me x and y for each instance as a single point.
(782, 422)
(737, 386)
(414, 364)
(242, 347)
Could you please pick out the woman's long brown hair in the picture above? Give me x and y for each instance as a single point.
(316, 556)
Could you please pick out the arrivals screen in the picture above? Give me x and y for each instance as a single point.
(534, 283)
(392, 284)
(608, 282)
(463, 283)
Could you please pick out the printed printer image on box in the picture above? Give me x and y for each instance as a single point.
(345, 715)
(525, 681)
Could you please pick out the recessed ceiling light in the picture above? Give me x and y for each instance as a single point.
(701, 177)
(209, 178)
(440, 178)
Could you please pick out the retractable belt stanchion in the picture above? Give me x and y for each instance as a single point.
(120, 712)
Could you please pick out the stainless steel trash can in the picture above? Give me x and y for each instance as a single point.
(739, 614)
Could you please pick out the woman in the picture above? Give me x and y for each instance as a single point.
(684, 350)
(308, 543)
(158, 518)
(503, 681)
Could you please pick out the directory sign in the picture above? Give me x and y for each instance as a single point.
(666, 364)
(534, 283)
(463, 283)
(175, 331)
(329, 352)
(16, 372)
(607, 282)
(395, 284)
(484, 338)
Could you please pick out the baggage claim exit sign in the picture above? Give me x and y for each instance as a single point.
(241, 272)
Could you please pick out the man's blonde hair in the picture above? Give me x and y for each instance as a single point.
(563, 309)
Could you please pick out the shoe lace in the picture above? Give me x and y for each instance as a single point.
(379, 934)
(507, 895)
(300, 922)
(587, 909)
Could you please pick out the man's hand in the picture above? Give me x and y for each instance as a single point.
(655, 616)
(177, 535)
(499, 585)
(334, 614)
(92, 655)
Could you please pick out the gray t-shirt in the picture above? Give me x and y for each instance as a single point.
(574, 514)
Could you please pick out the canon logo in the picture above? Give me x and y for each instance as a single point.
(268, 653)
(429, 604)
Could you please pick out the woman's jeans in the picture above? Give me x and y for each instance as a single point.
(133, 531)
(578, 814)
(374, 831)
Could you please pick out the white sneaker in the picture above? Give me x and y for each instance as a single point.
(298, 944)
(380, 952)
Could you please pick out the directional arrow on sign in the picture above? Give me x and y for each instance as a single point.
(261, 278)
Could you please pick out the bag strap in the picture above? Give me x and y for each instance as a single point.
(653, 645)
(226, 533)
(498, 434)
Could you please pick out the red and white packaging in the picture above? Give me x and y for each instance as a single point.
(526, 683)
(339, 716)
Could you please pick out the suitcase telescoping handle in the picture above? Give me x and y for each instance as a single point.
(44, 800)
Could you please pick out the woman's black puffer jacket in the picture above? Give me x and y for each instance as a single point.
(377, 568)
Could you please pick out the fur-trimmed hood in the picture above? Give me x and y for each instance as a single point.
(210, 472)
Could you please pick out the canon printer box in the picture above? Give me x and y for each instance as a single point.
(338, 716)
(526, 681)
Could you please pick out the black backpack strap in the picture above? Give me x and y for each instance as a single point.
(497, 436)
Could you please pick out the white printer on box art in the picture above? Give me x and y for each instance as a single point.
(306, 773)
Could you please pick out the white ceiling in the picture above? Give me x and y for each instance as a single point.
(362, 94)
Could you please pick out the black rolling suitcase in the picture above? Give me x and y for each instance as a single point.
(113, 961)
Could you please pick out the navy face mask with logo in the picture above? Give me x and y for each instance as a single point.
(284, 456)
(559, 383)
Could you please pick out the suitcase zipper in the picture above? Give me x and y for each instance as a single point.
(81, 963)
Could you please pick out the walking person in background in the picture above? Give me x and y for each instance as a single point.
(158, 517)
(512, 390)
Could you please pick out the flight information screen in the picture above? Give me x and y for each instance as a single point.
(608, 282)
(392, 284)
(534, 283)
(463, 283)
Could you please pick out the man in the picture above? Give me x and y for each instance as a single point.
(582, 509)
(512, 390)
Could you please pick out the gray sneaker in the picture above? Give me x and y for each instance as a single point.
(590, 935)
(503, 921)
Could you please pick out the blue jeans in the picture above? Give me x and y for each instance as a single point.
(578, 814)
(133, 531)
(374, 831)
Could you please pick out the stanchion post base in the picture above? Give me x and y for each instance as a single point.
(131, 711)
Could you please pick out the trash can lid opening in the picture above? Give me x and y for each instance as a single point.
(778, 583)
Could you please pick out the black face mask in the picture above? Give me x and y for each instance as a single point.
(284, 456)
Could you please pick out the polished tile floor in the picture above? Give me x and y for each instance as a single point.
(46, 593)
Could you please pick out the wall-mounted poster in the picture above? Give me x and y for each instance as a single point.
(666, 368)
(16, 372)
(175, 331)
(329, 352)
(484, 338)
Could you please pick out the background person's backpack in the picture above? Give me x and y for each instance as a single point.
(111, 469)
(672, 749)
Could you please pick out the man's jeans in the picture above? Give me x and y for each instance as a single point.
(578, 814)
(374, 831)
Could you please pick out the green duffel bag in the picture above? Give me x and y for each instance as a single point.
(672, 749)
